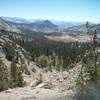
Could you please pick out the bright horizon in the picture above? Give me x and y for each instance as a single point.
(64, 10)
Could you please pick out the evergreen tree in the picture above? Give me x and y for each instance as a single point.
(95, 51)
(20, 81)
(15, 75)
(4, 82)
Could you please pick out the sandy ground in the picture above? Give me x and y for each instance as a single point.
(61, 87)
(27, 93)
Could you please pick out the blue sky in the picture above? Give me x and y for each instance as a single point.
(67, 10)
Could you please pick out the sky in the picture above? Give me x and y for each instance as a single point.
(65, 10)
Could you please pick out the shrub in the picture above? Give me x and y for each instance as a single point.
(4, 82)
(9, 51)
(16, 75)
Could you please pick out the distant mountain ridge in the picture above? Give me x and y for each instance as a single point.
(23, 25)
(41, 25)
(47, 26)
(65, 24)
(17, 20)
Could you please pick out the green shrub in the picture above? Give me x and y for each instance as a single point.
(4, 82)
(9, 51)
(16, 78)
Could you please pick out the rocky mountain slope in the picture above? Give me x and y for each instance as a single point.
(55, 86)
(40, 84)
(23, 25)
(47, 26)
(81, 29)
(42, 26)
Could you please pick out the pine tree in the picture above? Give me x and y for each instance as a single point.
(4, 83)
(20, 81)
(92, 54)
(94, 51)
(15, 75)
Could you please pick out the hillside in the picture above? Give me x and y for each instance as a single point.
(24, 25)
(55, 86)
(42, 26)
(38, 65)
(38, 80)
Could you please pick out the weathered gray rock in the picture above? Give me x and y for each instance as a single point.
(45, 86)
(8, 91)
(35, 83)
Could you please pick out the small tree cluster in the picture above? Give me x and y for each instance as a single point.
(89, 68)
(9, 51)
(16, 75)
(4, 79)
